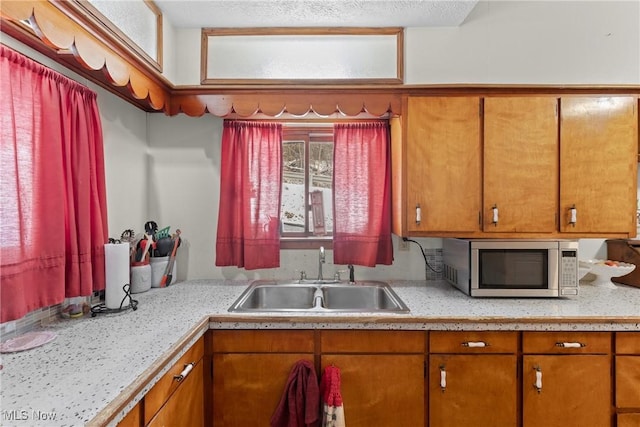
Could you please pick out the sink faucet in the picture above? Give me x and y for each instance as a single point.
(320, 262)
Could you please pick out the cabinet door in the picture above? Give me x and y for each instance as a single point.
(473, 390)
(567, 391)
(627, 381)
(247, 387)
(381, 390)
(185, 407)
(443, 164)
(598, 161)
(628, 420)
(520, 164)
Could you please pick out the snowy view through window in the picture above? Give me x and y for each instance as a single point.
(295, 199)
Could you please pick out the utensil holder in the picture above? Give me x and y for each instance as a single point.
(158, 267)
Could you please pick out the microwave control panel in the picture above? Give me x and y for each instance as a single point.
(568, 272)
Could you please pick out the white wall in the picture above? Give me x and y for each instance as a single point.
(507, 42)
(531, 42)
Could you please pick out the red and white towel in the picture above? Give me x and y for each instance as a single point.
(333, 408)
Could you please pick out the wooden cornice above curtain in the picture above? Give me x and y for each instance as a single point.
(58, 30)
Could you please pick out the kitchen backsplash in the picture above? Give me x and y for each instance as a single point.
(42, 317)
(434, 259)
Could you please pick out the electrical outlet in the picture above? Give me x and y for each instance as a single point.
(403, 245)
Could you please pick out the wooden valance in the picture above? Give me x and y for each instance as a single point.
(65, 33)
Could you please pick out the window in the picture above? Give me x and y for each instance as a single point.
(307, 183)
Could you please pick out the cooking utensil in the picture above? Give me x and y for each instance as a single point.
(168, 274)
(163, 247)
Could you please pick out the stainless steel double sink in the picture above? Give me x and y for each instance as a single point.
(319, 296)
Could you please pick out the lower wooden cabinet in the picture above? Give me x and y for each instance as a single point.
(566, 380)
(627, 379)
(133, 418)
(408, 378)
(178, 397)
(382, 375)
(628, 420)
(250, 372)
(186, 406)
(473, 379)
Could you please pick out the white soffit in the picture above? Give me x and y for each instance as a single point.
(315, 13)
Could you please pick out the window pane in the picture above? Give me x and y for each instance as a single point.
(321, 180)
(293, 187)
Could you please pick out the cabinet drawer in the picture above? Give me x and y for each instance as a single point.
(628, 420)
(628, 343)
(261, 341)
(473, 342)
(132, 419)
(164, 388)
(563, 342)
(358, 341)
(628, 381)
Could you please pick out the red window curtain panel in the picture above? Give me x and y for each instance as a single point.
(53, 221)
(250, 191)
(362, 194)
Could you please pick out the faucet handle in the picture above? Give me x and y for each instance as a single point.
(303, 274)
(336, 275)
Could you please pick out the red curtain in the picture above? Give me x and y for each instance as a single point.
(53, 218)
(249, 215)
(362, 194)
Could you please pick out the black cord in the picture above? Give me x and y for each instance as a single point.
(424, 255)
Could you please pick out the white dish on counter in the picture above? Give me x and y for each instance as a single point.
(603, 272)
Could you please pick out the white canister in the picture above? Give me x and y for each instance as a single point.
(158, 268)
(140, 278)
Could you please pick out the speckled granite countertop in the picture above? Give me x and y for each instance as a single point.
(96, 364)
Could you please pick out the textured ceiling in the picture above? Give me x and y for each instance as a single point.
(315, 13)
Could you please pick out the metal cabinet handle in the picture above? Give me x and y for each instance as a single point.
(538, 383)
(570, 344)
(494, 221)
(418, 214)
(187, 368)
(476, 344)
(443, 378)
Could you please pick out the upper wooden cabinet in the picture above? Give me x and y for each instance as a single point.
(441, 166)
(599, 142)
(520, 165)
(515, 166)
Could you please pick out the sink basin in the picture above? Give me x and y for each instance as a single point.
(368, 297)
(318, 296)
(278, 297)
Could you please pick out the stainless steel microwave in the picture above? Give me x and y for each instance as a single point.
(511, 268)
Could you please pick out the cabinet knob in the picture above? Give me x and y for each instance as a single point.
(418, 214)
